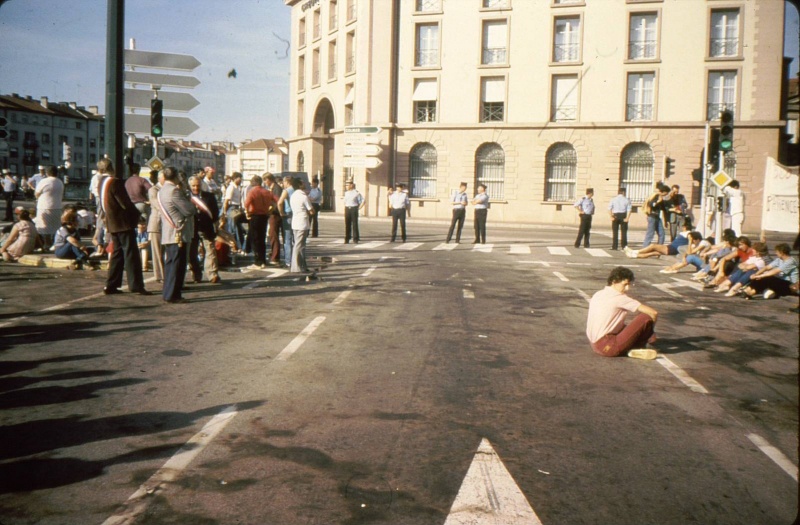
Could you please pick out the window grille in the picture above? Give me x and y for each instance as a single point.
(490, 165)
(425, 111)
(422, 175)
(637, 172)
(562, 173)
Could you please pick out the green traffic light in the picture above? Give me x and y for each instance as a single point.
(725, 145)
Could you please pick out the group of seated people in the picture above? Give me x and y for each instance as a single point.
(735, 266)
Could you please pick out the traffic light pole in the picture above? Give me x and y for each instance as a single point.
(115, 102)
(704, 183)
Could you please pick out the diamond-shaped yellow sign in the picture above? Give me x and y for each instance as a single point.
(721, 179)
(156, 164)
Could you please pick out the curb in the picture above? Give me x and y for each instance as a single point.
(50, 261)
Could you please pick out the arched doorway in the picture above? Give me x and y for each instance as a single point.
(324, 122)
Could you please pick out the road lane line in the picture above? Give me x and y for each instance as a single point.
(445, 246)
(298, 341)
(558, 250)
(369, 271)
(342, 296)
(370, 245)
(681, 374)
(138, 502)
(775, 455)
(409, 246)
(583, 294)
(598, 252)
(468, 294)
(561, 276)
(521, 249)
(484, 248)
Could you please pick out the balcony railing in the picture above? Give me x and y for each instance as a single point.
(315, 78)
(425, 111)
(427, 57)
(351, 63)
(563, 113)
(332, 70)
(639, 112)
(492, 111)
(724, 47)
(640, 49)
(714, 110)
(429, 5)
(565, 52)
(494, 55)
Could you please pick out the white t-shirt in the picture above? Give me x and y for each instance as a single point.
(234, 195)
(398, 200)
(607, 311)
(51, 193)
(300, 208)
(735, 200)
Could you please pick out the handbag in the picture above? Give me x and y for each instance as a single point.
(238, 216)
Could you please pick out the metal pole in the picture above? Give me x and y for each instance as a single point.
(115, 61)
(704, 184)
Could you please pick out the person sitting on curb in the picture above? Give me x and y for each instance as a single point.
(68, 243)
(778, 278)
(657, 250)
(710, 259)
(605, 325)
(740, 277)
(726, 265)
(695, 247)
(22, 239)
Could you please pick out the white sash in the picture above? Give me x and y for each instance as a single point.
(198, 202)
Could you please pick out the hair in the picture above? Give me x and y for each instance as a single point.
(696, 236)
(24, 214)
(734, 184)
(728, 231)
(170, 174)
(105, 165)
(744, 240)
(153, 176)
(622, 191)
(256, 180)
(729, 236)
(688, 224)
(783, 248)
(194, 178)
(288, 180)
(236, 175)
(619, 274)
(68, 217)
(662, 188)
(296, 183)
(761, 248)
(675, 187)
(589, 190)
(482, 186)
(710, 238)
(142, 222)
(135, 169)
(52, 171)
(463, 184)
(269, 177)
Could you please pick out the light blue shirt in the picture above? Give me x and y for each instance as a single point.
(586, 205)
(352, 199)
(461, 199)
(482, 201)
(620, 204)
(788, 269)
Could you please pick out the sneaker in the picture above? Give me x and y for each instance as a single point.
(769, 294)
(643, 353)
(731, 293)
(669, 270)
(254, 267)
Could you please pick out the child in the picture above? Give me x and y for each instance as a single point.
(67, 243)
(143, 241)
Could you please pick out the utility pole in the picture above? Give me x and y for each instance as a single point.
(115, 118)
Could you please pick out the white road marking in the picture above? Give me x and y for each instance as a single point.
(275, 273)
(578, 264)
(369, 271)
(409, 246)
(485, 248)
(598, 252)
(774, 454)
(337, 241)
(445, 246)
(561, 276)
(681, 374)
(138, 502)
(522, 249)
(298, 341)
(543, 263)
(369, 245)
(341, 297)
(390, 257)
(469, 294)
(489, 495)
(583, 294)
(558, 250)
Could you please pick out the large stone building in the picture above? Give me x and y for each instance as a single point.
(537, 99)
(258, 157)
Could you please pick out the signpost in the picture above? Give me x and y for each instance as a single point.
(157, 60)
(159, 80)
(362, 147)
(173, 126)
(183, 102)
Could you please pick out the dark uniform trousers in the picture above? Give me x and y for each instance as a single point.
(315, 219)
(125, 258)
(619, 225)
(351, 223)
(174, 271)
(459, 214)
(399, 215)
(480, 225)
(584, 230)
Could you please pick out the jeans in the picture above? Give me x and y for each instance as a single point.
(288, 240)
(695, 260)
(70, 251)
(237, 230)
(654, 224)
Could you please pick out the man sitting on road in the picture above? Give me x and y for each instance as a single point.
(605, 326)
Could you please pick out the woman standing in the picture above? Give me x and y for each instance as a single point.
(49, 195)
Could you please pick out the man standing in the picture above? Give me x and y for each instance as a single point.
(9, 192)
(400, 205)
(652, 208)
(585, 208)
(33, 181)
(209, 184)
(274, 221)
(120, 218)
(315, 196)
(676, 207)
(459, 202)
(302, 210)
(205, 231)
(620, 210)
(259, 204)
(605, 325)
(353, 201)
(94, 188)
(481, 202)
(137, 188)
(177, 230)
(285, 207)
(735, 206)
(232, 207)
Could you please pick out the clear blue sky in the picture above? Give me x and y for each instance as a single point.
(57, 49)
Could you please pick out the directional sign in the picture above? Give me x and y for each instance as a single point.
(368, 130)
(136, 98)
(362, 139)
(156, 60)
(362, 162)
(173, 126)
(161, 80)
(721, 179)
(365, 150)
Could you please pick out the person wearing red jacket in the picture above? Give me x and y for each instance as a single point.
(259, 204)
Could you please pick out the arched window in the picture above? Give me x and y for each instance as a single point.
(637, 172)
(422, 174)
(301, 162)
(490, 168)
(562, 173)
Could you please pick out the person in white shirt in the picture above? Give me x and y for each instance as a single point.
(302, 211)
(49, 204)
(459, 202)
(735, 206)
(605, 324)
(353, 201)
(481, 202)
(94, 187)
(232, 207)
(400, 205)
(315, 196)
(33, 181)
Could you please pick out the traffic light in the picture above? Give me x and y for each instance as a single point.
(66, 152)
(4, 128)
(156, 118)
(720, 203)
(726, 131)
(669, 167)
(713, 147)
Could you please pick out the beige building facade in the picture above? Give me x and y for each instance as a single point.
(536, 99)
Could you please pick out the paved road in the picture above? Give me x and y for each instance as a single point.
(413, 383)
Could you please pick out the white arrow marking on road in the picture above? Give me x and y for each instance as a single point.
(522, 249)
(489, 495)
(275, 273)
(561, 276)
(558, 250)
(597, 252)
(469, 294)
(409, 246)
(774, 454)
(445, 246)
(485, 248)
(298, 341)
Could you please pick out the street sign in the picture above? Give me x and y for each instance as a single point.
(362, 139)
(359, 130)
(359, 150)
(362, 162)
(161, 80)
(156, 60)
(173, 126)
(136, 98)
(721, 179)
(155, 163)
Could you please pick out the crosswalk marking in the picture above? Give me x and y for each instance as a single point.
(558, 250)
(513, 249)
(409, 246)
(597, 252)
(370, 245)
(445, 246)
(337, 241)
(485, 248)
(521, 249)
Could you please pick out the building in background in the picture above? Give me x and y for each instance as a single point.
(538, 100)
(259, 156)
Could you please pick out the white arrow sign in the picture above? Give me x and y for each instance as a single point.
(161, 80)
(362, 130)
(173, 126)
(362, 162)
(358, 150)
(157, 60)
(137, 98)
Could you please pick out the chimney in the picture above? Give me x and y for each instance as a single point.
(44, 102)
(94, 110)
(29, 97)
(73, 105)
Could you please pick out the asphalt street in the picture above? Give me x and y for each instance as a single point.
(412, 383)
